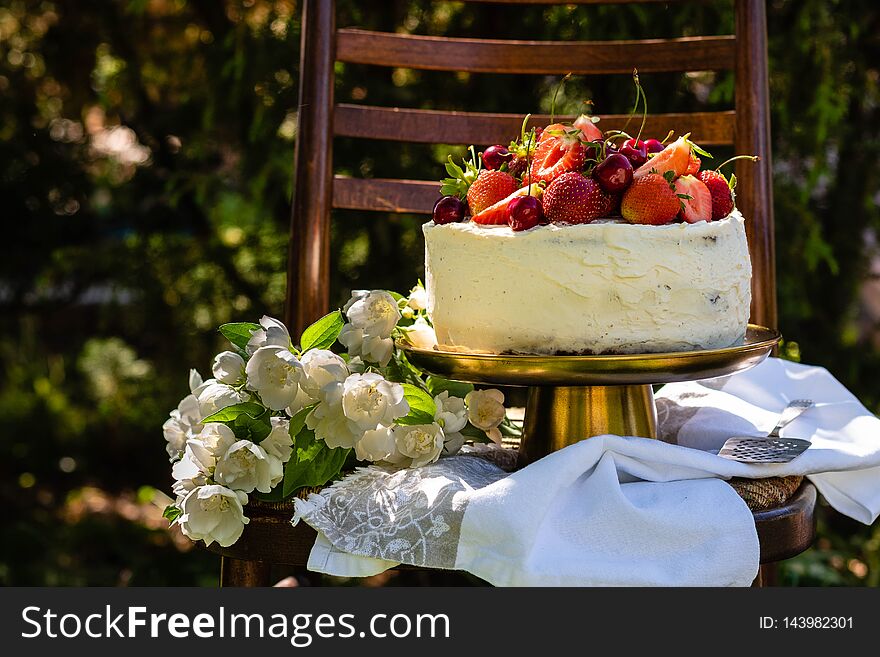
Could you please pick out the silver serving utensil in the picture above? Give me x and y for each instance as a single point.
(773, 448)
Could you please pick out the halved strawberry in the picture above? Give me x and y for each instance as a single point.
(559, 150)
(490, 187)
(721, 191)
(699, 206)
(589, 130)
(574, 199)
(496, 214)
(650, 200)
(676, 158)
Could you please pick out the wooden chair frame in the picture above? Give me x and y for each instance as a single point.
(269, 538)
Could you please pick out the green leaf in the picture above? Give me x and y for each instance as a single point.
(437, 384)
(732, 182)
(312, 463)
(248, 420)
(670, 176)
(702, 152)
(322, 333)
(298, 421)
(239, 333)
(395, 295)
(171, 513)
(472, 433)
(421, 406)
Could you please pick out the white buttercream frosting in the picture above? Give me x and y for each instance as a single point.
(605, 287)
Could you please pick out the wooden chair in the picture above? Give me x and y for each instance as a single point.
(269, 538)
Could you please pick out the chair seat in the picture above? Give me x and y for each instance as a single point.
(783, 532)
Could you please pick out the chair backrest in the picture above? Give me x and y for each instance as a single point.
(317, 191)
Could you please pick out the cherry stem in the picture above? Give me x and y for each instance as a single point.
(644, 106)
(667, 137)
(753, 158)
(556, 93)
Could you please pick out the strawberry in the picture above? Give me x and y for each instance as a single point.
(651, 199)
(559, 150)
(589, 131)
(721, 191)
(675, 158)
(698, 207)
(496, 214)
(490, 187)
(573, 199)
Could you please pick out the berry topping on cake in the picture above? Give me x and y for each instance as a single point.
(524, 212)
(588, 128)
(674, 157)
(496, 214)
(559, 150)
(448, 210)
(650, 199)
(635, 151)
(495, 156)
(490, 187)
(572, 172)
(614, 173)
(573, 199)
(721, 192)
(696, 200)
(653, 146)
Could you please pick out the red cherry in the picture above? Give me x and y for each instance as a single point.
(495, 156)
(614, 173)
(635, 152)
(449, 209)
(653, 146)
(524, 212)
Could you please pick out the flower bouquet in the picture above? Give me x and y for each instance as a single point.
(277, 416)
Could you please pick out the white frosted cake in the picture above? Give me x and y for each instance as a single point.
(593, 288)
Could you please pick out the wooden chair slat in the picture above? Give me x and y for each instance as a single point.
(385, 195)
(445, 127)
(703, 53)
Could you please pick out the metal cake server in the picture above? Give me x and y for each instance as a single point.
(772, 448)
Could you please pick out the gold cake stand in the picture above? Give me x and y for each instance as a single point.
(574, 397)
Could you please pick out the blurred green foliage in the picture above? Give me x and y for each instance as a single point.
(145, 164)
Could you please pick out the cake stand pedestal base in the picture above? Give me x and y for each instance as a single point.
(557, 416)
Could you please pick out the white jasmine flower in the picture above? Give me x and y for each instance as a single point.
(213, 513)
(187, 475)
(369, 400)
(328, 419)
(182, 424)
(278, 443)
(451, 413)
(418, 298)
(246, 466)
(272, 333)
(420, 334)
(356, 295)
(195, 380)
(421, 443)
(274, 373)
(378, 445)
(214, 396)
(376, 313)
(321, 367)
(375, 349)
(204, 450)
(228, 367)
(486, 411)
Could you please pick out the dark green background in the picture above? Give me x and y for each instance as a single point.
(145, 165)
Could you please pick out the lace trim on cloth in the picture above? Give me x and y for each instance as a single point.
(410, 516)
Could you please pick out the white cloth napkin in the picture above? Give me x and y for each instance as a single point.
(610, 510)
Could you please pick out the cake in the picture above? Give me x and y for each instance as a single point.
(603, 287)
(577, 241)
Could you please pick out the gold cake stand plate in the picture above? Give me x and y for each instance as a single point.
(575, 397)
